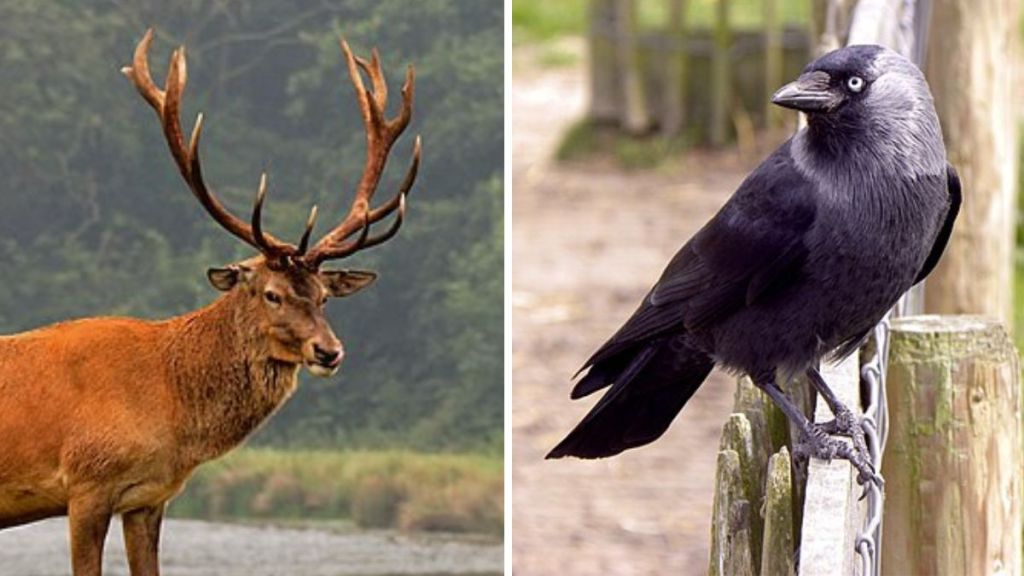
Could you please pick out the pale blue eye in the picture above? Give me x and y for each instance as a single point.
(855, 83)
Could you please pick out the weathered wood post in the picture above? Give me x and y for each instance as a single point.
(730, 522)
(753, 527)
(971, 71)
(634, 115)
(832, 514)
(953, 459)
(604, 82)
(777, 549)
(772, 61)
(674, 112)
(721, 90)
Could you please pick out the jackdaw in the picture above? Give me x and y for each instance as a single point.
(805, 258)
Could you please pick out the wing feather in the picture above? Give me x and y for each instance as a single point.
(753, 248)
(953, 185)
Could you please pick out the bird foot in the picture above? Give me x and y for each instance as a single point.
(816, 442)
(848, 424)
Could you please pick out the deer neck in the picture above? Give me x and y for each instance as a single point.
(225, 380)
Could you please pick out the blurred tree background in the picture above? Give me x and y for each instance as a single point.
(94, 219)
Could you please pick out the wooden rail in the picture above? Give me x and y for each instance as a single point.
(833, 513)
(701, 84)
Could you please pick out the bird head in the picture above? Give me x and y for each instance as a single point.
(854, 82)
(869, 107)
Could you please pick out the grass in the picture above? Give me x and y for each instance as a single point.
(587, 140)
(384, 489)
(534, 20)
(546, 19)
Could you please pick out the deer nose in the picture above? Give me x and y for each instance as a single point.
(330, 356)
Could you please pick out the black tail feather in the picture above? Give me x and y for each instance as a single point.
(650, 388)
(604, 374)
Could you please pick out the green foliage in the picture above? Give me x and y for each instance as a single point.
(94, 219)
(541, 20)
(534, 20)
(392, 489)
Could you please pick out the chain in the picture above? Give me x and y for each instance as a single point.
(910, 35)
(876, 430)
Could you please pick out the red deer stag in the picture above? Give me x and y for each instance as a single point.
(107, 416)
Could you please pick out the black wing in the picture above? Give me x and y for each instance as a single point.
(753, 247)
(953, 184)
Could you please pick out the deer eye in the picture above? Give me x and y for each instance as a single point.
(272, 298)
(323, 301)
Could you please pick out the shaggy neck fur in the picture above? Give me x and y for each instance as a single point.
(226, 382)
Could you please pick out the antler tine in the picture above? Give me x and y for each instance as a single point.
(177, 78)
(397, 126)
(381, 134)
(357, 82)
(310, 222)
(364, 241)
(139, 74)
(380, 85)
(257, 217)
(403, 190)
(167, 104)
(352, 246)
(399, 218)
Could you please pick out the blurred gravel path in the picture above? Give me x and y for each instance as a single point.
(587, 243)
(193, 548)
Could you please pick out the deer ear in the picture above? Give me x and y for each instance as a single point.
(225, 278)
(344, 282)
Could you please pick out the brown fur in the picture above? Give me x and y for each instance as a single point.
(107, 416)
(110, 416)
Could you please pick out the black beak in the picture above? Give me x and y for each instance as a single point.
(809, 93)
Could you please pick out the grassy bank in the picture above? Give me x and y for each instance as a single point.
(380, 489)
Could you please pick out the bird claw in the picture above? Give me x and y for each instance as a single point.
(817, 442)
(848, 424)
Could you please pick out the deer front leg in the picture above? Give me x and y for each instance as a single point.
(88, 520)
(142, 539)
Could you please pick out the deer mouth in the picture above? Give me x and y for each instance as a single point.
(323, 370)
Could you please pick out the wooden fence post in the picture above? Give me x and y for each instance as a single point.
(604, 82)
(772, 61)
(971, 69)
(730, 522)
(753, 527)
(953, 460)
(777, 553)
(721, 94)
(832, 515)
(674, 106)
(635, 116)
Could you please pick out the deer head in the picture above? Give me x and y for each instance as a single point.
(282, 291)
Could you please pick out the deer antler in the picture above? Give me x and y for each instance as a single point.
(167, 104)
(381, 134)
